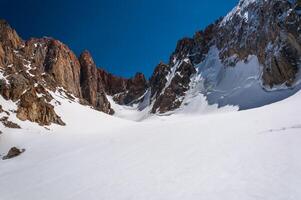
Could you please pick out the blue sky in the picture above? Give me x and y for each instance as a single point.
(124, 36)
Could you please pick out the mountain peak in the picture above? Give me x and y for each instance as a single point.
(8, 36)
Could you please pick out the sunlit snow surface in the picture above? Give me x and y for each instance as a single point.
(229, 155)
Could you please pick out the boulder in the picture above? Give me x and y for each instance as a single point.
(13, 152)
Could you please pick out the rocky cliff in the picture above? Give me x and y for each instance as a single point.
(265, 30)
(31, 70)
(91, 84)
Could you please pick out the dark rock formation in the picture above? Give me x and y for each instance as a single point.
(37, 109)
(124, 91)
(21, 76)
(56, 59)
(158, 79)
(91, 84)
(13, 152)
(8, 124)
(171, 98)
(169, 94)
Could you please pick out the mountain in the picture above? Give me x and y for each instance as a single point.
(176, 136)
(245, 155)
(244, 59)
(31, 69)
(247, 59)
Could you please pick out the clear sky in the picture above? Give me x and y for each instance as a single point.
(124, 36)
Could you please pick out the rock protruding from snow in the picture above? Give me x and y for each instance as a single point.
(91, 84)
(13, 152)
(124, 91)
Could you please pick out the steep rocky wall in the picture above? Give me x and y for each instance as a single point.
(124, 91)
(50, 64)
(271, 31)
(91, 85)
(267, 29)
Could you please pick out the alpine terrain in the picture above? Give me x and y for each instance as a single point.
(218, 121)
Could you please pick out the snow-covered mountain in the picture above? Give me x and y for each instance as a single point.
(88, 134)
(248, 59)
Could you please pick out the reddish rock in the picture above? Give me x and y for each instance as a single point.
(55, 58)
(112, 84)
(9, 41)
(88, 78)
(125, 91)
(91, 84)
(37, 109)
(8, 36)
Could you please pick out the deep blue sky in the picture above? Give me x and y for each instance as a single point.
(124, 36)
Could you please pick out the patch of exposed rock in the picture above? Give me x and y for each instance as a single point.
(8, 124)
(13, 152)
(37, 109)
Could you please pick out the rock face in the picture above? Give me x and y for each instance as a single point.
(31, 69)
(170, 97)
(170, 82)
(37, 109)
(268, 29)
(124, 91)
(23, 78)
(91, 84)
(56, 59)
(9, 39)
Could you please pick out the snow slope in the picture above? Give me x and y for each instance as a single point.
(245, 155)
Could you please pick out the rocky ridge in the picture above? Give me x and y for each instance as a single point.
(267, 29)
(31, 70)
